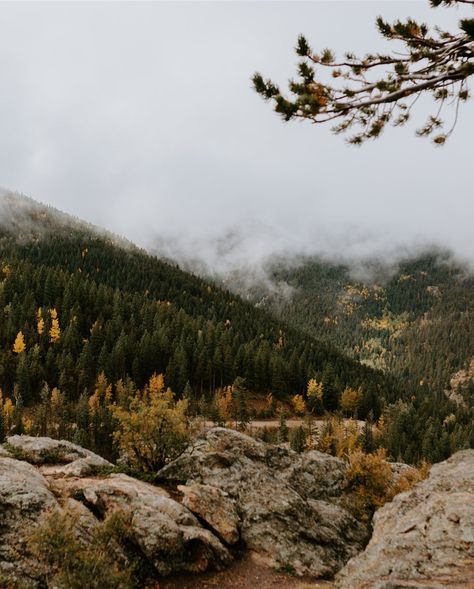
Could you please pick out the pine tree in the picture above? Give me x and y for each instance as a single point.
(298, 439)
(436, 62)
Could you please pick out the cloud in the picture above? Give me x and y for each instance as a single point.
(139, 117)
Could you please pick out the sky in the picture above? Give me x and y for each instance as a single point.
(140, 117)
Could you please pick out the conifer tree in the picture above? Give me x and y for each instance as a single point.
(369, 92)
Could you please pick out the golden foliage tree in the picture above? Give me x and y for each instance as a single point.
(39, 321)
(54, 330)
(154, 429)
(19, 345)
(314, 392)
(350, 400)
(223, 400)
(370, 475)
(298, 404)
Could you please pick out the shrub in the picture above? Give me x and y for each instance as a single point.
(73, 562)
(154, 429)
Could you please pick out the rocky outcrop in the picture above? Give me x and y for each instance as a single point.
(24, 496)
(41, 450)
(425, 537)
(214, 507)
(164, 534)
(287, 503)
(228, 491)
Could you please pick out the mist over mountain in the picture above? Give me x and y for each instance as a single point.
(244, 257)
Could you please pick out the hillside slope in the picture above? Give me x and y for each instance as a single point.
(415, 321)
(120, 311)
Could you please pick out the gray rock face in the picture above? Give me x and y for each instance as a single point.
(167, 534)
(424, 537)
(24, 495)
(215, 508)
(48, 451)
(164, 533)
(285, 518)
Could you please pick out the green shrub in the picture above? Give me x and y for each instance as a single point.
(73, 562)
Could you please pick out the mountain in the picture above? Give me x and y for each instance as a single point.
(414, 319)
(87, 318)
(118, 310)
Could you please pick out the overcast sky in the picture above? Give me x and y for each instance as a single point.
(140, 117)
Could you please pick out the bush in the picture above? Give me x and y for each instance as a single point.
(76, 563)
(154, 429)
(298, 439)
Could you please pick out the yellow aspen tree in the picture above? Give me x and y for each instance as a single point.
(350, 400)
(315, 389)
(154, 429)
(55, 330)
(8, 413)
(299, 406)
(39, 321)
(102, 396)
(19, 345)
(155, 385)
(223, 400)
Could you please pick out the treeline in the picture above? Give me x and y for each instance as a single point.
(416, 322)
(127, 314)
(81, 313)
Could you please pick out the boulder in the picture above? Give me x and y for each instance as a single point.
(81, 467)
(166, 533)
(424, 537)
(315, 475)
(37, 450)
(288, 521)
(24, 496)
(215, 508)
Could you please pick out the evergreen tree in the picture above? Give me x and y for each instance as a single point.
(436, 62)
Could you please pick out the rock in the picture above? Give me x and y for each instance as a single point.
(166, 533)
(36, 450)
(317, 476)
(82, 467)
(269, 487)
(424, 537)
(24, 496)
(4, 453)
(214, 507)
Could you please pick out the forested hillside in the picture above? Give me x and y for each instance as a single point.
(76, 303)
(415, 320)
(87, 319)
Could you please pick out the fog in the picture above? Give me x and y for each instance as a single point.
(140, 117)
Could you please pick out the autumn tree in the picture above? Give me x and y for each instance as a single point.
(154, 429)
(314, 392)
(365, 93)
(19, 345)
(39, 321)
(298, 404)
(54, 330)
(350, 400)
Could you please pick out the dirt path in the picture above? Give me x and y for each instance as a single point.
(294, 422)
(244, 573)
